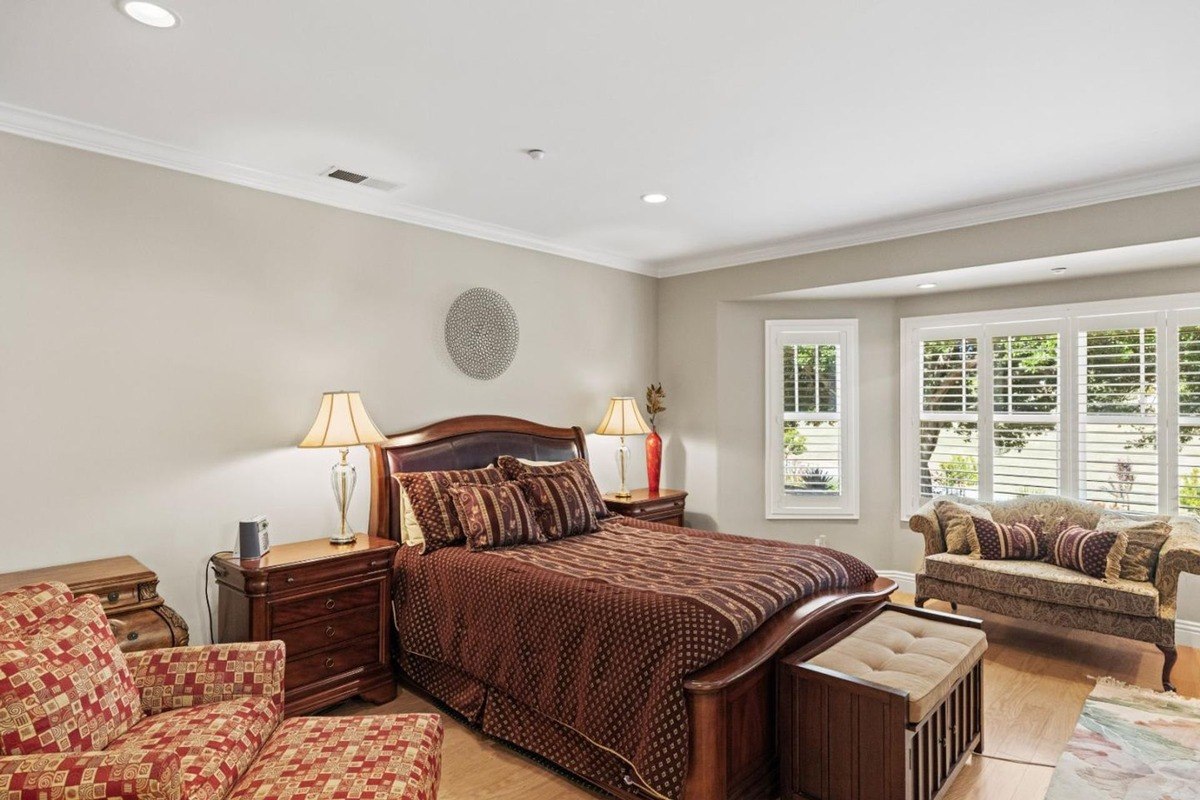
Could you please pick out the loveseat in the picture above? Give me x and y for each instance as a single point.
(1035, 590)
(80, 719)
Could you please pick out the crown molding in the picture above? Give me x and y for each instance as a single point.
(1186, 176)
(60, 130)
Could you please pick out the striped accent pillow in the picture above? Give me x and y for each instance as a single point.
(514, 468)
(1022, 541)
(1094, 553)
(495, 516)
(427, 494)
(561, 504)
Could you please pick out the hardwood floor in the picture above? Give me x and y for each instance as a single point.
(1036, 678)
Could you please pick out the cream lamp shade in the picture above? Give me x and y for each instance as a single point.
(622, 419)
(342, 421)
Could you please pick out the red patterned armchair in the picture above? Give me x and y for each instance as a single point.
(79, 719)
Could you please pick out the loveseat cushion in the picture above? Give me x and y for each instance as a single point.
(921, 656)
(1046, 582)
(64, 684)
(216, 743)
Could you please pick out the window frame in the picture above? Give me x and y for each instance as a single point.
(843, 332)
(1166, 312)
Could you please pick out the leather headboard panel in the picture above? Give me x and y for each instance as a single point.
(460, 443)
(475, 450)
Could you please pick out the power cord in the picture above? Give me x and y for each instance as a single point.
(212, 635)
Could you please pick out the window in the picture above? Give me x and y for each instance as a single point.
(1070, 400)
(812, 418)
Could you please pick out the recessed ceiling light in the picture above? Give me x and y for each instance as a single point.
(1058, 270)
(926, 285)
(150, 14)
(654, 197)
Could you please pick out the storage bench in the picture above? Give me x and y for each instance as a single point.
(885, 707)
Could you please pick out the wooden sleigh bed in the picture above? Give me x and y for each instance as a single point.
(732, 749)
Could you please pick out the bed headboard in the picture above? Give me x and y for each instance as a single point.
(460, 443)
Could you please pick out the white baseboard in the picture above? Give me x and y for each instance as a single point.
(1187, 632)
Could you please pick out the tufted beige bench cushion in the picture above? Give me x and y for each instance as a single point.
(923, 657)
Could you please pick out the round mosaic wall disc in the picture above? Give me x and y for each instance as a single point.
(482, 333)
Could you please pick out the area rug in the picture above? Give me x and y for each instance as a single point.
(1133, 744)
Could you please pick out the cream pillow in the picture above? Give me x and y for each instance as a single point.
(957, 527)
(410, 529)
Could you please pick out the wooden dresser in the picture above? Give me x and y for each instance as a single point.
(127, 589)
(329, 604)
(665, 505)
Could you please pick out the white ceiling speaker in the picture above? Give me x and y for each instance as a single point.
(151, 14)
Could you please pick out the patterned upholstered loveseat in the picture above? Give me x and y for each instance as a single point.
(1034, 590)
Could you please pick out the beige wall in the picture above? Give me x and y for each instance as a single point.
(164, 340)
(710, 357)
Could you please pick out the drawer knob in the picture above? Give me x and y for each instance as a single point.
(329, 631)
(330, 603)
(291, 579)
(114, 597)
(329, 663)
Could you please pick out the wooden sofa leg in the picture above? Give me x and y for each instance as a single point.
(1169, 656)
(919, 601)
(954, 607)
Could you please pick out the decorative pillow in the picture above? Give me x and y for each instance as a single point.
(957, 521)
(1094, 553)
(514, 468)
(1146, 538)
(22, 607)
(64, 684)
(495, 516)
(561, 504)
(432, 506)
(1022, 541)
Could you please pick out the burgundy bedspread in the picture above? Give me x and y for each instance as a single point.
(597, 632)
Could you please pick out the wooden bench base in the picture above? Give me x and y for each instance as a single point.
(843, 738)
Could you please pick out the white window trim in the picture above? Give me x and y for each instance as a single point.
(845, 333)
(1068, 320)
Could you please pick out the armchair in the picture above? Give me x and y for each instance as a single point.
(1034, 590)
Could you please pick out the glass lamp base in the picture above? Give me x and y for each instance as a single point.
(622, 463)
(343, 477)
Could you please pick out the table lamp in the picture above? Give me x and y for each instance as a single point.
(342, 421)
(622, 419)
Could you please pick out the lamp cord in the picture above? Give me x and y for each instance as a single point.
(212, 636)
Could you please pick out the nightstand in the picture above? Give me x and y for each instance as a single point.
(329, 604)
(665, 505)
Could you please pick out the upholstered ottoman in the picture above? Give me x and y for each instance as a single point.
(384, 757)
(885, 708)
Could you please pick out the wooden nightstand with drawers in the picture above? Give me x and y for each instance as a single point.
(328, 603)
(665, 505)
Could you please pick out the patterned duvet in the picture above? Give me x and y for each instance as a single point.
(597, 632)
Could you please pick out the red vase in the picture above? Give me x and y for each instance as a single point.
(653, 460)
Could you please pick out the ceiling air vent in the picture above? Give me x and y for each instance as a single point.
(361, 180)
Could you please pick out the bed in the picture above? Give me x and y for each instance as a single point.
(639, 658)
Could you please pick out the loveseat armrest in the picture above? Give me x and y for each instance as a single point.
(1179, 554)
(181, 677)
(112, 775)
(925, 522)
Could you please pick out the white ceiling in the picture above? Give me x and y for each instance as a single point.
(776, 127)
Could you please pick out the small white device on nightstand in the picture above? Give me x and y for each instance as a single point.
(252, 537)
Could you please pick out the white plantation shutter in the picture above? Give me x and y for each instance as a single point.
(811, 418)
(1026, 425)
(1118, 413)
(948, 433)
(1189, 415)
